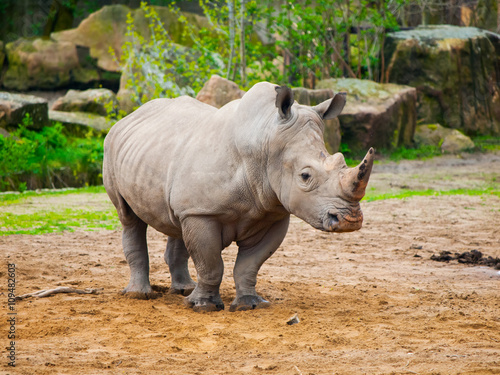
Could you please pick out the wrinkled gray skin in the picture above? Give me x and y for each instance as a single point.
(206, 177)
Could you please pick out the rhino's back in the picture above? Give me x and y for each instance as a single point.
(140, 150)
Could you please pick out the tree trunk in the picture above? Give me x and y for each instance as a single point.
(498, 17)
(230, 5)
(242, 44)
(60, 17)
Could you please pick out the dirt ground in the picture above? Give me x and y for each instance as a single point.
(369, 302)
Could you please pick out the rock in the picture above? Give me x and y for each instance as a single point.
(45, 64)
(219, 91)
(456, 71)
(4, 133)
(430, 135)
(378, 115)
(449, 140)
(107, 28)
(79, 123)
(14, 108)
(125, 99)
(99, 101)
(332, 127)
(294, 319)
(456, 142)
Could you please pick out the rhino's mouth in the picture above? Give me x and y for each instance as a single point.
(335, 222)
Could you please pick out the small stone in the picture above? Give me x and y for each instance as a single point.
(293, 320)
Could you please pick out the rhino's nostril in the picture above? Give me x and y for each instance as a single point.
(333, 218)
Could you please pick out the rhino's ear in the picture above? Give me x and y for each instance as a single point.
(284, 101)
(331, 108)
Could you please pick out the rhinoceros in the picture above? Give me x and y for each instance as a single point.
(207, 177)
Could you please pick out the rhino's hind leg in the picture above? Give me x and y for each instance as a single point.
(135, 249)
(202, 237)
(176, 257)
(248, 263)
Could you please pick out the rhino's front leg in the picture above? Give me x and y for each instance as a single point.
(177, 256)
(248, 263)
(202, 237)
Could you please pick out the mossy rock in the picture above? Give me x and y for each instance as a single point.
(99, 101)
(15, 107)
(107, 27)
(43, 64)
(80, 123)
(375, 115)
(449, 140)
(456, 71)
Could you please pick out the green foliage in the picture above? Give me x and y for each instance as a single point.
(298, 43)
(47, 158)
(157, 67)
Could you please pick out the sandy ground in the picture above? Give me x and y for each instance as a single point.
(369, 302)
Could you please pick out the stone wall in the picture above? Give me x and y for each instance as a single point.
(456, 71)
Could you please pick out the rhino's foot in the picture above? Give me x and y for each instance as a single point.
(184, 289)
(140, 293)
(248, 302)
(205, 304)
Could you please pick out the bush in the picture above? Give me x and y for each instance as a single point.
(49, 159)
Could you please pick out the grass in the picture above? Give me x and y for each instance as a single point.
(369, 197)
(67, 220)
(8, 198)
(57, 219)
(487, 143)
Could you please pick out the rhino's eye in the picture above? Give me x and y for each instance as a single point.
(305, 176)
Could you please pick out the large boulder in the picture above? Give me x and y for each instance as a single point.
(311, 97)
(80, 123)
(219, 91)
(44, 64)
(378, 115)
(456, 71)
(15, 107)
(107, 29)
(449, 140)
(99, 101)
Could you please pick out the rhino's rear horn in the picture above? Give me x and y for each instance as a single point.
(355, 179)
(284, 101)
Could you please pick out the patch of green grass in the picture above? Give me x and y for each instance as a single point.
(487, 143)
(420, 153)
(14, 197)
(369, 197)
(57, 221)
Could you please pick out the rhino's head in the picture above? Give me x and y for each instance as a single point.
(317, 187)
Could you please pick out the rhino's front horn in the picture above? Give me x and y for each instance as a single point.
(355, 179)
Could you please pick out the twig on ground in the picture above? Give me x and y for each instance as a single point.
(61, 289)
